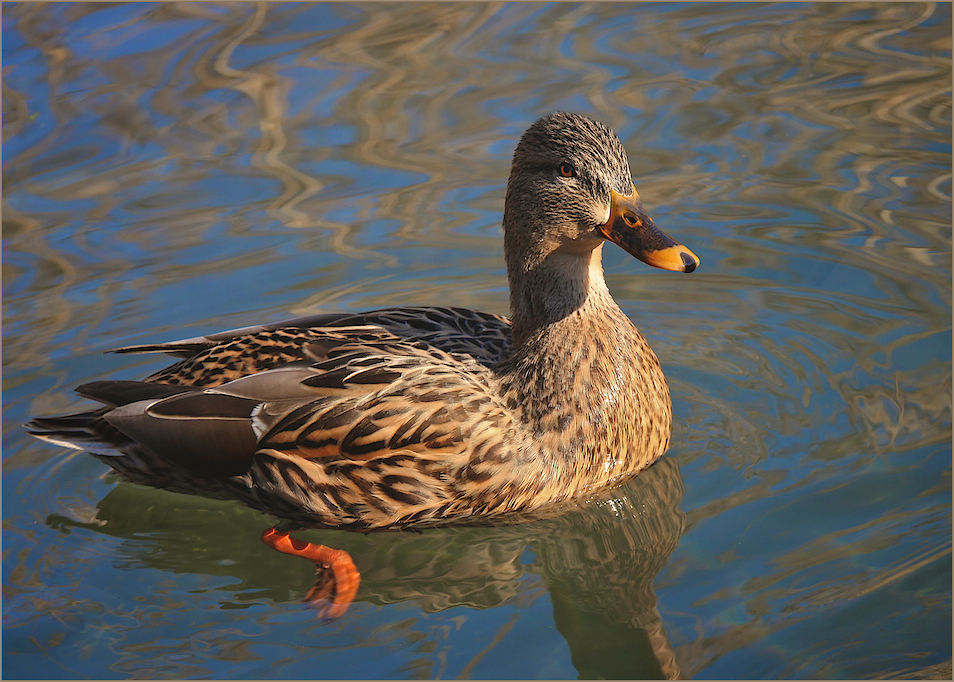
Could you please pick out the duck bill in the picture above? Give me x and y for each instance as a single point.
(631, 228)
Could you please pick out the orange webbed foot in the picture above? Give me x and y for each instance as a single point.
(344, 580)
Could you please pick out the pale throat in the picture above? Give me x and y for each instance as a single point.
(568, 281)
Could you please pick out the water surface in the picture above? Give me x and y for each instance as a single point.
(179, 168)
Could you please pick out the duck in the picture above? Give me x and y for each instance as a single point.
(418, 417)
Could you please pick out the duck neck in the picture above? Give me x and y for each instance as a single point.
(580, 378)
(572, 345)
(561, 287)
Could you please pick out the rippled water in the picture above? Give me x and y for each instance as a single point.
(175, 169)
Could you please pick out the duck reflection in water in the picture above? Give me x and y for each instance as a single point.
(597, 561)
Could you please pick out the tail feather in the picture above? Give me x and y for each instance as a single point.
(82, 431)
(90, 430)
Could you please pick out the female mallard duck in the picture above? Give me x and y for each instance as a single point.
(420, 417)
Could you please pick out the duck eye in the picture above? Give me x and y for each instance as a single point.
(567, 171)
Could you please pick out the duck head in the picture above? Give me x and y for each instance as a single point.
(570, 190)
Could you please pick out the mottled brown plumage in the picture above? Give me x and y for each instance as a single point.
(422, 416)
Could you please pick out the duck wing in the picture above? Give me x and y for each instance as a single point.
(228, 355)
(360, 425)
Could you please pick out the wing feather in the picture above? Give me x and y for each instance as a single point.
(352, 420)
